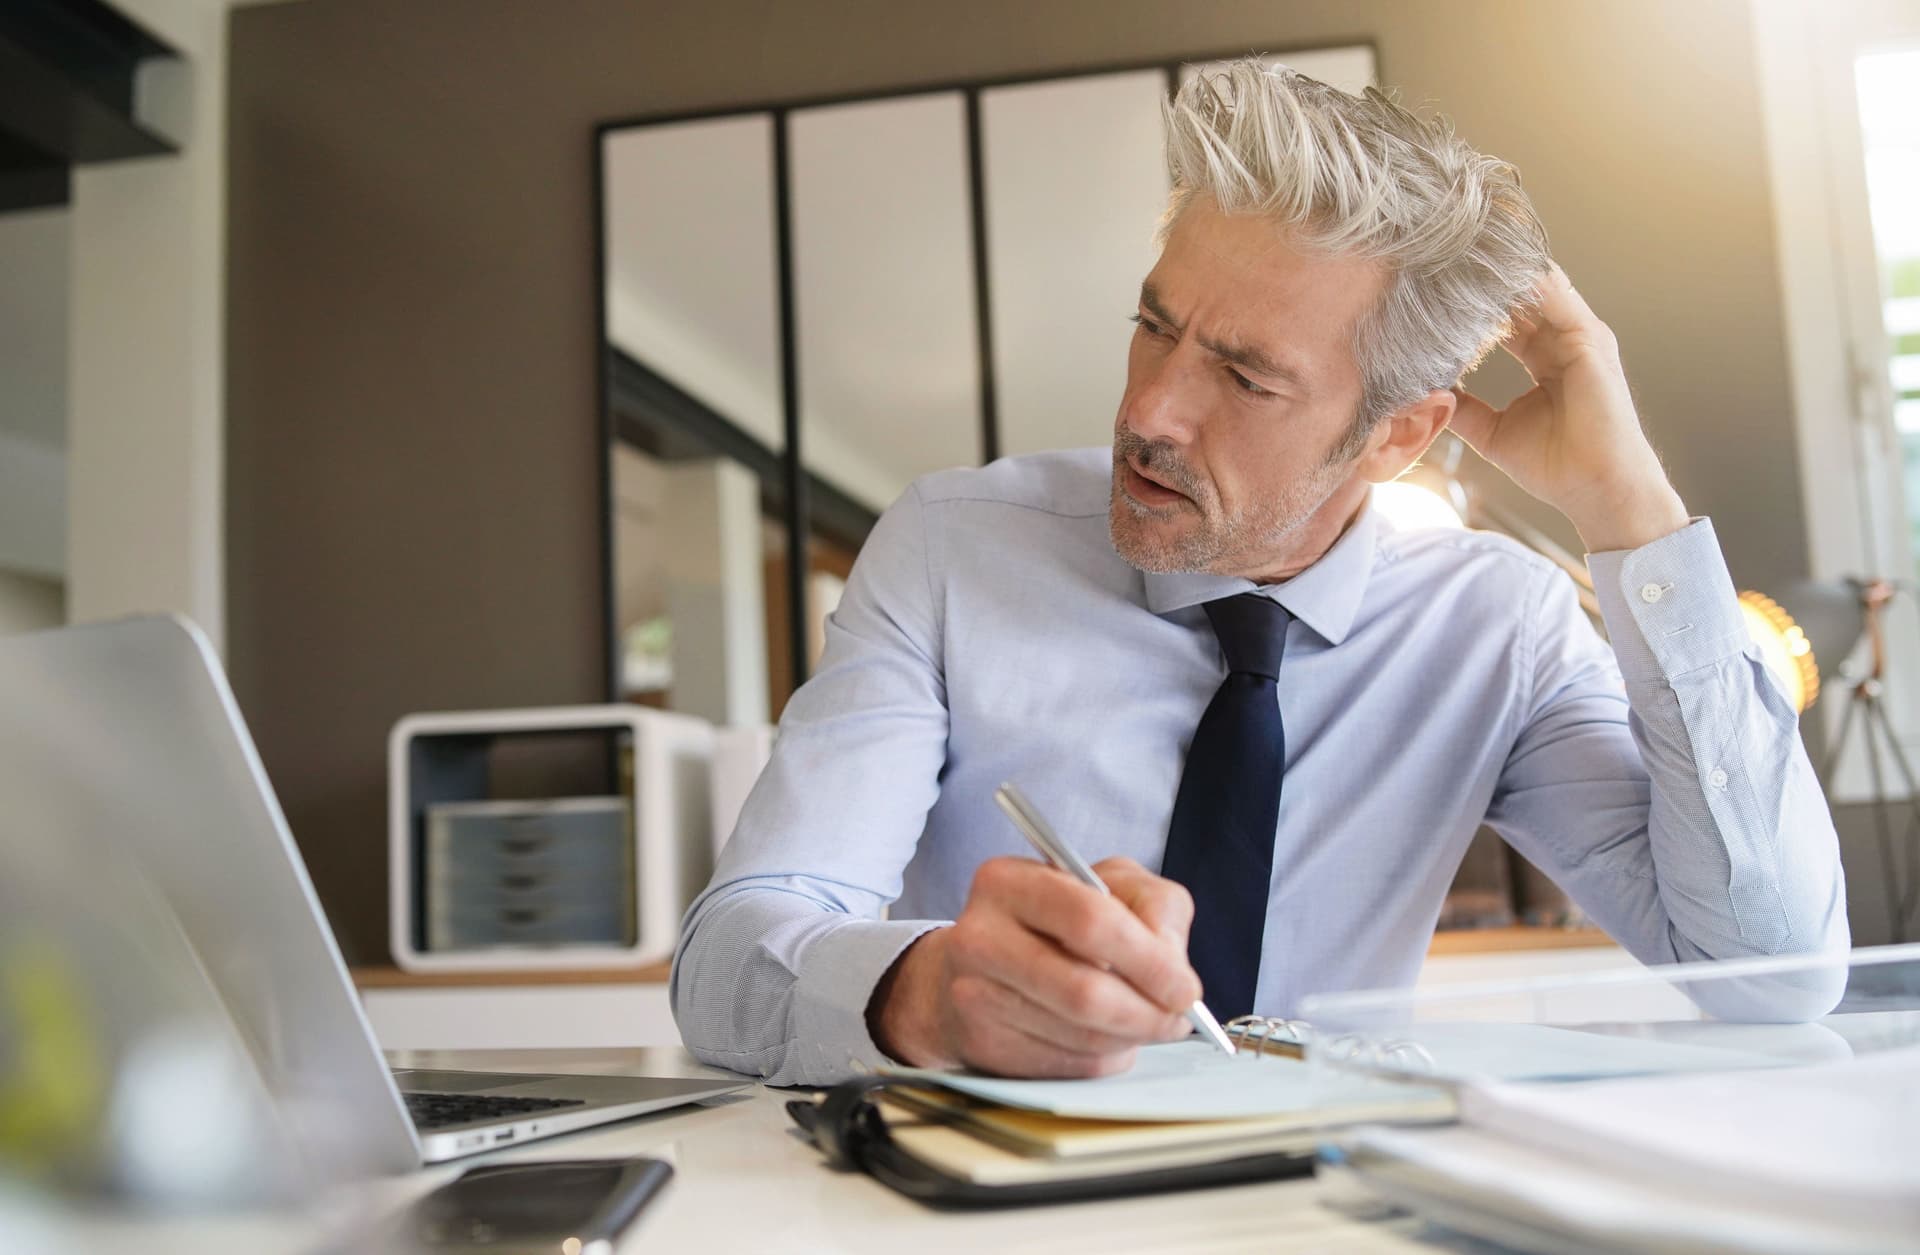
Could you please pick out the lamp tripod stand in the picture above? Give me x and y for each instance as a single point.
(1866, 707)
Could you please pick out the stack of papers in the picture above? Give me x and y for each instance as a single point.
(1818, 1158)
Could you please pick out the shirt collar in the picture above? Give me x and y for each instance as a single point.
(1326, 596)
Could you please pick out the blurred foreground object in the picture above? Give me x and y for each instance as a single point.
(120, 1077)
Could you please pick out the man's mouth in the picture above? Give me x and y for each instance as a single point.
(1148, 490)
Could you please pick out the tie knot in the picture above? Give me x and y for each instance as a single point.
(1252, 631)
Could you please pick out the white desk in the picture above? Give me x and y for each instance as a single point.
(744, 1182)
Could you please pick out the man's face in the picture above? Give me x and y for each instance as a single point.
(1241, 384)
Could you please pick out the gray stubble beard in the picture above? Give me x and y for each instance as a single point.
(1212, 546)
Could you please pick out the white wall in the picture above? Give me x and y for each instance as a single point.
(147, 335)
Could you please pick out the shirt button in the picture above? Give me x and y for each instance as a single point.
(1718, 779)
(1651, 593)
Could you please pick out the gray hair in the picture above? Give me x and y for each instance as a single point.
(1361, 176)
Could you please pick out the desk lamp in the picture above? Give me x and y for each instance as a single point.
(1817, 625)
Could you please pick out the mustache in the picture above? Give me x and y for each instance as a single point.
(1158, 457)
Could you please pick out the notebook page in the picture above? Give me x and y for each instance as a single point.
(1187, 1080)
(1190, 1080)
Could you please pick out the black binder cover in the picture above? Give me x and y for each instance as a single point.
(850, 1131)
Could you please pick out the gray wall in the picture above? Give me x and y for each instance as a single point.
(414, 514)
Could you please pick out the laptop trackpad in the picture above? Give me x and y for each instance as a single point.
(430, 1081)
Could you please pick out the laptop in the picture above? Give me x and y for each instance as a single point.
(124, 739)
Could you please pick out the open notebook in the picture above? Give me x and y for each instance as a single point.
(1190, 1080)
(1187, 1103)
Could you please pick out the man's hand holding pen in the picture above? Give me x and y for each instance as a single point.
(1043, 976)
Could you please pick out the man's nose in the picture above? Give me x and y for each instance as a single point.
(1164, 403)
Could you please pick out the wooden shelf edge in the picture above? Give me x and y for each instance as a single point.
(389, 977)
(1518, 937)
(1452, 941)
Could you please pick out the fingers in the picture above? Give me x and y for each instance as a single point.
(1474, 421)
(1046, 976)
(1163, 905)
(1557, 303)
(992, 1043)
(1555, 327)
(982, 1001)
(1099, 930)
(1075, 991)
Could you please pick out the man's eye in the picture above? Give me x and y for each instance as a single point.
(1248, 386)
(1147, 325)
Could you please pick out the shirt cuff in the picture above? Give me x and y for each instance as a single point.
(836, 982)
(1669, 606)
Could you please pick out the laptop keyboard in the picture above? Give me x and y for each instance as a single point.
(440, 1111)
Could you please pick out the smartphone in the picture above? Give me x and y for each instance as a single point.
(556, 1207)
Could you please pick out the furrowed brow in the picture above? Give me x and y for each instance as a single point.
(1151, 302)
(1253, 358)
(1257, 360)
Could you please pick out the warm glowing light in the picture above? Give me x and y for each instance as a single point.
(1783, 647)
(1409, 507)
(570, 1247)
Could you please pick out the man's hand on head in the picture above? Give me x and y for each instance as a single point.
(1042, 975)
(1574, 440)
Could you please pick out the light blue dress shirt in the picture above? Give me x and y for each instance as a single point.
(1434, 680)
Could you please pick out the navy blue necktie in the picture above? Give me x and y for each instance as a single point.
(1220, 844)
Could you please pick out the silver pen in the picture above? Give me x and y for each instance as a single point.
(1061, 855)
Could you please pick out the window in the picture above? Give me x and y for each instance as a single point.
(1839, 102)
(1888, 84)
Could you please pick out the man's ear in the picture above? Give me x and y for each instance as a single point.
(1405, 434)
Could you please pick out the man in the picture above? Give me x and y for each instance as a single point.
(1204, 654)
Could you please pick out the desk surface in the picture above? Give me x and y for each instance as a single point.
(744, 1181)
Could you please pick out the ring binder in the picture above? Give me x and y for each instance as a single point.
(1185, 1115)
(1257, 1035)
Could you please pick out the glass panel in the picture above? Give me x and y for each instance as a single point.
(883, 263)
(1075, 182)
(36, 258)
(1350, 69)
(694, 390)
(689, 576)
(1889, 91)
(691, 281)
(779, 613)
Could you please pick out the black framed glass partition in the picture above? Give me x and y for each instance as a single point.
(806, 305)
